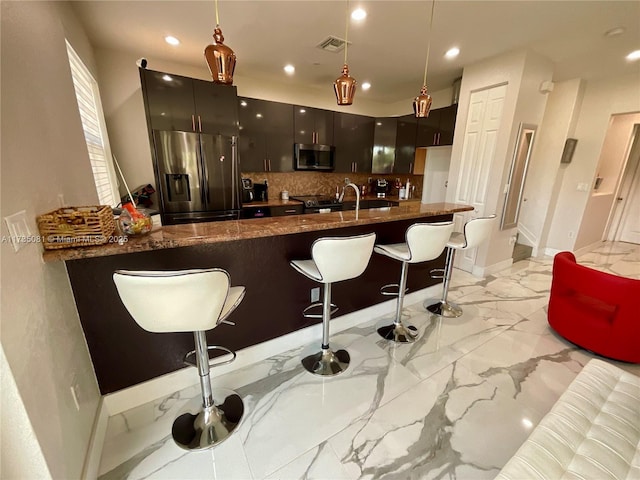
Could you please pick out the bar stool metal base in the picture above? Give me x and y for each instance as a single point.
(443, 309)
(198, 427)
(327, 362)
(399, 333)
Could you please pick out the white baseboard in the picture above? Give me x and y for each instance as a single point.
(482, 272)
(552, 252)
(94, 452)
(136, 395)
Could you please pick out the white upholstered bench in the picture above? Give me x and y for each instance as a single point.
(592, 432)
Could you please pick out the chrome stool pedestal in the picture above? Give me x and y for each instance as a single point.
(475, 232)
(326, 362)
(334, 259)
(207, 420)
(443, 307)
(424, 242)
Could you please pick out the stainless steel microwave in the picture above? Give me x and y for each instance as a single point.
(314, 157)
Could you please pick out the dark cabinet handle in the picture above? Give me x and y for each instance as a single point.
(269, 164)
(435, 138)
(199, 124)
(290, 211)
(193, 123)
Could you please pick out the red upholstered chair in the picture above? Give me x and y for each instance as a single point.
(595, 310)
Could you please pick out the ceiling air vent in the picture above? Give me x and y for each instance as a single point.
(332, 44)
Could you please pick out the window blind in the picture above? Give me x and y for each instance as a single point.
(95, 132)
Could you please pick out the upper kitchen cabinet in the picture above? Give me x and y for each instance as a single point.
(313, 125)
(405, 144)
(216, 108)
(266, 136)
(384, 145)
(169, 101)
(353, 139)
(178, 103)
(437, 129)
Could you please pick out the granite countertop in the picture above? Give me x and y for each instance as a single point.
(173, 236)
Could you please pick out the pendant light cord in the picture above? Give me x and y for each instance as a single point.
(433, 4)
(217, 16)
(346, 35)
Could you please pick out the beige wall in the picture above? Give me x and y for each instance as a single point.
(557, 125)
(43, 155)
(602, 99)
(615, 151)
(523, 72)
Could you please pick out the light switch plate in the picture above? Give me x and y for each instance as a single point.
(19, 232)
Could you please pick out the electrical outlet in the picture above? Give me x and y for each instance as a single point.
(19, 232)
(315, 294)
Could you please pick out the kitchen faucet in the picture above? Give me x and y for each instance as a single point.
(355, 187)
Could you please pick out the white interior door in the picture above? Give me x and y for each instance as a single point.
(630, 221)
(480, 138)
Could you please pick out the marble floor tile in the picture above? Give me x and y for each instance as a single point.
(455, 404)
(319, 463)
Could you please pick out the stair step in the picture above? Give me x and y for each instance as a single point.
(521, 252)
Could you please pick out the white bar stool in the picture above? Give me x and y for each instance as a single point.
(476, 231)
(424, 242)
(189, 301)
(333, 259)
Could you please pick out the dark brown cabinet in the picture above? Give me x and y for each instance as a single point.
(384, 145)
(266, 136)
(178, 103)
(405, 144)
(437, 129)
(353, 139)
(313, 125)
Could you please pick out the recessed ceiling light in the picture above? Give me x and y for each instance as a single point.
(359, 14)
(167, 78)
(302, 110)
(290, 69)
(258, 115)
(171, 40)
(243, 103)
(379, 124)
(635, 55)
(614, 32)
(452, 52)
(366, 86)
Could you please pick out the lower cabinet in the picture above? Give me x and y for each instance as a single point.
(277, 211)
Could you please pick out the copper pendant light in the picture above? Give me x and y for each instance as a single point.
(220, 58)
(345, 85)
(422, 103)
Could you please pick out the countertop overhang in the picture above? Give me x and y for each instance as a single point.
(174, 236)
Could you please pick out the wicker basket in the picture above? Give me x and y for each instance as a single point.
(76, 227)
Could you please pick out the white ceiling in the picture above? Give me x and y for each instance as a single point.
(388, 48)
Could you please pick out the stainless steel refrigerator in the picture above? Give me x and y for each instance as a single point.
(198, 175)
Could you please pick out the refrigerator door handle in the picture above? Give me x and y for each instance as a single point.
(235, 190)
(204, 179)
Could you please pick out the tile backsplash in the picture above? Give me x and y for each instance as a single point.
(316, 183)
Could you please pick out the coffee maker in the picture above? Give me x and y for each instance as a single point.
(247, 191)
(381, 187)
(261, 191)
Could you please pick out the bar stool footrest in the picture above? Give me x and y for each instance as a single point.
(307, 314)
(385, 290)
(212, 363)
(438, 273)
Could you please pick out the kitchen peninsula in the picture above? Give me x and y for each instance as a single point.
(256, 253)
